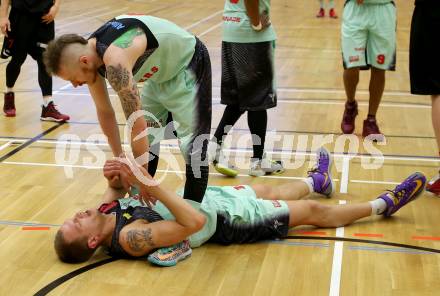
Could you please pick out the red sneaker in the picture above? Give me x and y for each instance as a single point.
(321, 13)
(348, 119)
(332, 13)
(434, 185)
(50, 113)
(371, 129)
(9, 104)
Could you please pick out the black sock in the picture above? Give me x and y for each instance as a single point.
(230, 116)
(257, 121)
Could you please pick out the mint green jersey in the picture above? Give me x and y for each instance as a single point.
(239, 203)
(237, 25)
(375, 1)
(175, 51)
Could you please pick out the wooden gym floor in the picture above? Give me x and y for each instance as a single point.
(39, 191)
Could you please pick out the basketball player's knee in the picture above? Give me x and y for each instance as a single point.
(319, 213)
(262, 191)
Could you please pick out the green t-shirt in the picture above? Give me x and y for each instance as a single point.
(175, 51)
(237, 25)
(376, 1)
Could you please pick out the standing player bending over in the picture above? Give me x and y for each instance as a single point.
(176, 70)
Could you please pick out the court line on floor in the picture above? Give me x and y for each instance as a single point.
(159, 171)
(61, 20)
(216, 100)
(21, 223)
(335, 278)
(203, 20)
(337, 91)
(112, 12)
(235, 129)
(29, 142)
(59, 281)
(274, 151)
(4, 146)
(365, 241)
(387, 250)
(210, 29)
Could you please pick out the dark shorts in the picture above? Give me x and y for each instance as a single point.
(248, 76)
(229, 232)
(29, 35)
(424, 57)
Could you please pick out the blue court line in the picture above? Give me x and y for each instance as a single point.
(21, 223)
(30, 141)
(389, 250)
(302, 244)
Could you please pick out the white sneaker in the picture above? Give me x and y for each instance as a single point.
(265, 166)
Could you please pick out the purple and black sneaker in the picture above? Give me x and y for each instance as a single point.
(404, 193)
(322, 179)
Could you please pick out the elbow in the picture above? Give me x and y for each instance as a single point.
(199, 222)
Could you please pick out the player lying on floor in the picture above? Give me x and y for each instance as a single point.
(228, 214)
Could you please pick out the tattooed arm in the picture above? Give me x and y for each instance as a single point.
(139, 237)
(119, 60)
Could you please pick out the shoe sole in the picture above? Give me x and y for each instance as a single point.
(52, 119)
(170, 263)
(276, 172)
(8, 115)
(257, 174)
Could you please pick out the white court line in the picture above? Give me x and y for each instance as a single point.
(393, 105)
(203, 20)
(210, 29)
(160, 171)
(5, 145)
(172, 145)
(335, 281)
(68, 85)
(335, 91)
(303, 101)
(82, 14)
(374, 182)
(344, 175)
(95, 16)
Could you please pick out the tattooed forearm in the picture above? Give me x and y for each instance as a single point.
(118, 76)
(130, 100)
(138, 240)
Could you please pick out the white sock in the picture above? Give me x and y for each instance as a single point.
(9, 89)
(309, 182)
(321, 3)
(378, 206)
(47, 100)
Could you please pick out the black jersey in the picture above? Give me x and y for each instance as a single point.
(125, 213)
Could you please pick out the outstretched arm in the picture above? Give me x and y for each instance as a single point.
(106, 114)
(119, 60)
